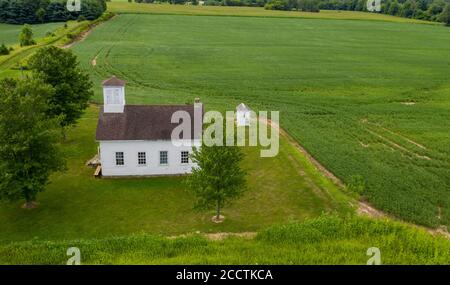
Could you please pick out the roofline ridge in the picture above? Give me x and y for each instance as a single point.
(168, 105)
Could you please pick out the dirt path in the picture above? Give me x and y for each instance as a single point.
(81, 37)
(94, 61)
(316, 163)
(364, 209)
(220, 235)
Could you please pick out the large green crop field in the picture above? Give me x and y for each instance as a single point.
(368, 99)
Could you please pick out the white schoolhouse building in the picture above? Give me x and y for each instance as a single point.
(135, 140)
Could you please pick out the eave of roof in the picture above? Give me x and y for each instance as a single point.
(143, 122)
(113, 81)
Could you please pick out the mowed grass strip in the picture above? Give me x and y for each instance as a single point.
(164, 8)
(76, 205)
(360, 96)
(324, 240)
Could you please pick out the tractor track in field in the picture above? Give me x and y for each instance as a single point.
(404, 148)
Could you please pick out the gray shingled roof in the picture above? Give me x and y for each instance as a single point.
(141, 122)
(113, 81)
(242, 107)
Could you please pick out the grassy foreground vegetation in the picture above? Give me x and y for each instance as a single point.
(78, 206)
(324, 240)
(365, 98)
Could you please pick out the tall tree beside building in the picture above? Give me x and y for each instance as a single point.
(218, 178)
(73, 88)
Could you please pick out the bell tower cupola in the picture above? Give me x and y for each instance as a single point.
(113, 95)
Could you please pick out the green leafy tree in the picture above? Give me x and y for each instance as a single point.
(29, 150)
(73, 88)
(408, 9)
(308, 5)
(277, 5)
(445, 15)
(26, 36)
(385, 7)
(394, 8)
(40, 14)
(293, 4)
(4, 50)
(435, 9)
(218, 177)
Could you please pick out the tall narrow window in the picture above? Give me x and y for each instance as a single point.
(116, 97)
(109, 97)
(163, 157)
(142, 158)
(119, 158)
(184, 157)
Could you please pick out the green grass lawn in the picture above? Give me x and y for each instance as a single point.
(325, 240)
(76, 205)
(368, 99)
(9, 64)
(9, 34)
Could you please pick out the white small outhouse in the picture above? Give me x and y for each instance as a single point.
(243, 115)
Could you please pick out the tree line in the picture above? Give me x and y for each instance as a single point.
(299, 5)
(43, 11)
(430, 10)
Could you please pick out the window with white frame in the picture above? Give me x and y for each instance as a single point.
(116, 97)
(142, 158)
(119, 158)
(184, 157)
(163, 157)
(113, 96)
(109, 97)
